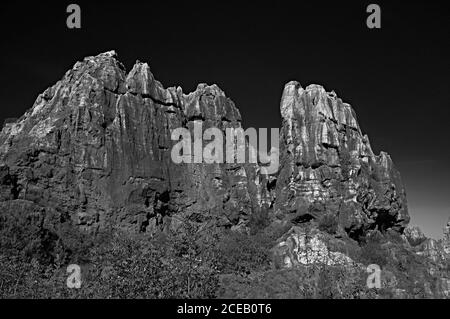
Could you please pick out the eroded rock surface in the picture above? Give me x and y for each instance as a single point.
(414, 235)
(301, 247)
(327, 165)
(97, 144)
(96, 147)
(435, 250)
(446, 240)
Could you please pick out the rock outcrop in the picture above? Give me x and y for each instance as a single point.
(414, 235)
(96, 146)
(303, 247)
(436, 253)
(435, 250)
(446, 239)
(328, 166)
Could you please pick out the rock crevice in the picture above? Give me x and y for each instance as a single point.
(96, 146)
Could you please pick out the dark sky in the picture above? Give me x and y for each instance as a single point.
(396, 78)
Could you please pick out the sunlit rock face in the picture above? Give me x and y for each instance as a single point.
(97, 145)
(446, 240)
(96, 148)
(414, 235)
(327, 165)
(432, 249)
(436, 250)
(301, 247)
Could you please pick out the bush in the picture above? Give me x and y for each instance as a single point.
(259, 220)
(242, 254)
(328, 223)
(305, 282)
(373, 252)
(125, 266)
(196, 264)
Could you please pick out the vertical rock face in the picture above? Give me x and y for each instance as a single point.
(446, 239)
(96, 146)
(327, 166)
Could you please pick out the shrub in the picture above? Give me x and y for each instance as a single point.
(300, 283)
(241, 253)
(328, 223)
(125, 266)
(372, 251)
(259, 220)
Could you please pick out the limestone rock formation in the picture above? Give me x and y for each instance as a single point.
(436, 253)
(299, 246)
(432, 249)
(435, 250)
(327, 165)
(446, 240)
(414, 235)
(97, 145)
(95, 149)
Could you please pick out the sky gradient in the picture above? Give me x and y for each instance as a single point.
(396, 78)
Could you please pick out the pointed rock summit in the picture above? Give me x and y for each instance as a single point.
(95, 148)
(328, 166)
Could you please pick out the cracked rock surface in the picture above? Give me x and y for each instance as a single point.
(328, 166)
(95, 149)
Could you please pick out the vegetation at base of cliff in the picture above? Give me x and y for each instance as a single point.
(314, 281)
(196, 263)
(328, 223)
(116, 264)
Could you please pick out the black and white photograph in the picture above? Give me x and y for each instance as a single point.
(247, 152)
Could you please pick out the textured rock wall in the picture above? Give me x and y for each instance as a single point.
(437, 251)
(96, 147)
(328, 166)
(302, 247)
(97, 144)
(446, 240)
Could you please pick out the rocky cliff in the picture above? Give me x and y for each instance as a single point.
(95, 149)
(97, 145)
(437, 252)
(446, 240)
(328, 166)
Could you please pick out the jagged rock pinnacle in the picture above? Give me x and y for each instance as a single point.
(96, 146)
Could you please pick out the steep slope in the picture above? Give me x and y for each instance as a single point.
(328, 167)
(97, 145)
(95, 151)
(95, 148)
